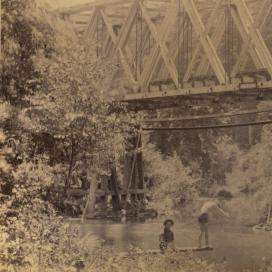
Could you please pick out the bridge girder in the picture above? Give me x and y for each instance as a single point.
(181, 47)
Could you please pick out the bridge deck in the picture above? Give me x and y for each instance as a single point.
(172, 98)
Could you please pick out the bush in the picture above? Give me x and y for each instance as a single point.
(106, 260)
(32, 233)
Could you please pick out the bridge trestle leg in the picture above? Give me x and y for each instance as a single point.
(133, 173)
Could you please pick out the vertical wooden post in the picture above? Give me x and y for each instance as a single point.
(269, 213)
(116, 203)
(140, 168)
(131, 183)
(250, 139)
(93, 177)
(134, 177)
(104, 189)
(91, 198)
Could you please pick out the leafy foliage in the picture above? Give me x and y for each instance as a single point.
(59, 120)
(253, 169)
(72, 108)
(250, 178)
(174, 185)
(106, 260)
(31, 232)
(23, 35)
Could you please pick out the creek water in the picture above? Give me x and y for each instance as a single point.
(238, 246)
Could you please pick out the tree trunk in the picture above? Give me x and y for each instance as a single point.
(71, 165)
(116, 203)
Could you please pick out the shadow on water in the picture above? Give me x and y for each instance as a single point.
(240, 247)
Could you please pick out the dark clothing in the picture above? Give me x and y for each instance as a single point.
(203, 218)
(168, 235)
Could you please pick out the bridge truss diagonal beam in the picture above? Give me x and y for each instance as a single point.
(248, 45)
(211, 21)
(99, 14)
(206, 42)
(90, 29)
(160, 48)
(263, 14)
(251, 35)
(120, 41)
(113, 37)
(254, 35)
(175, 46)
(217, 37)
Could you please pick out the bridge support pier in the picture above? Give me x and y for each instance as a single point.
(133, 171)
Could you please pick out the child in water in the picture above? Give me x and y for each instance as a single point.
(167, 237)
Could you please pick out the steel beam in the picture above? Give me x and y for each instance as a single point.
(244, 124)
(216, 38)
(174, 46)
(207, 116)
(123, 58)
(121, 41)
(160, 47)
(205, 40)
(262, 16)
(232, 88)
(254, 35)
(169, 63)
(90, 29)
(212, 19)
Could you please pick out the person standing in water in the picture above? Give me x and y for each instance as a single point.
(207, 208)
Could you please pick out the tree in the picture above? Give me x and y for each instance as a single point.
(59, 116)
(24, 34)
(72, 109)
(174, 185)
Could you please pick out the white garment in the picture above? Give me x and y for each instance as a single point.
(208, 206)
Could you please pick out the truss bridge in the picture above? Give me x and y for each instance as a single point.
(171, 50)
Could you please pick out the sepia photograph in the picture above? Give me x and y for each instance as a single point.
(136, 136)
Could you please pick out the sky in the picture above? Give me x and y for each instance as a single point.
(65, 3)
